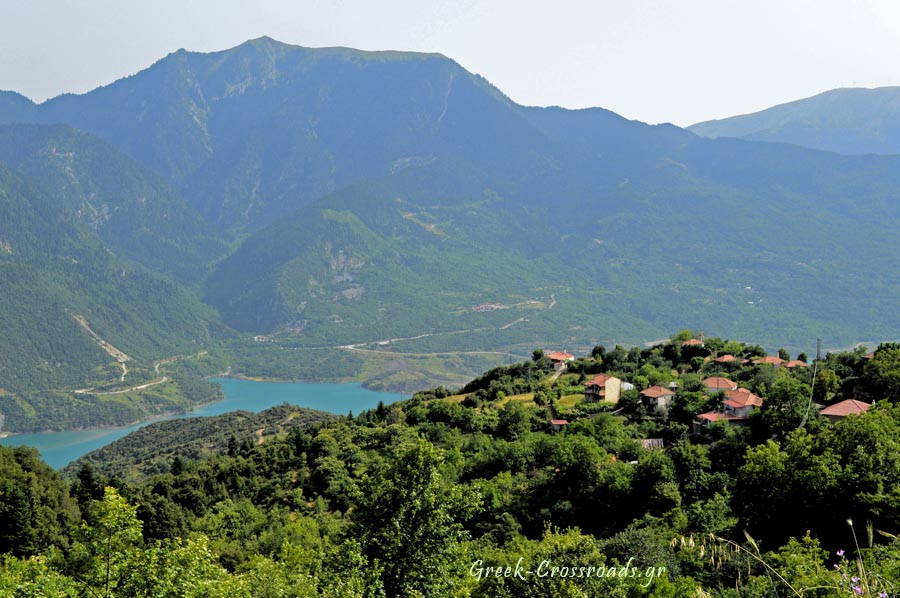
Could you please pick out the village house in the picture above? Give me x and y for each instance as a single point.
(559, 359)
(735, 409)
(658, 398)
(770, 360)
(693, 342)
(603, 388)
(558, 424)
(740, 402)
(653, 443)
(705, 420)
(796, 363)
(718, 384)
(728, 358)
(841, 410)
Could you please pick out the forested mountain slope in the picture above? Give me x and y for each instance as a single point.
(127, 205)
(333, 196)
(720, 234)
(64, 290)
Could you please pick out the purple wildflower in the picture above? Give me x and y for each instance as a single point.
(854, 579)
(882, 594)
(840, 552)
(858, 590)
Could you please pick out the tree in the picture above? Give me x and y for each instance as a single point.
(883, 371)
(409, 521)
(682, 335)
(17, 532)
(826, 386)
(785, 405)
(104, 549)
(761, 484)
(34, 577)
(35, 509)
(515, 420)
(640, 382)
(543, 396)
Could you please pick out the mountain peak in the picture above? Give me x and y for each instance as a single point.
(265, 41)
(14, 106)
(846, 120)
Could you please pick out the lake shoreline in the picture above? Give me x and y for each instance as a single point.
(112, 428)
(226, 374)
(363, 383)
(59, 448)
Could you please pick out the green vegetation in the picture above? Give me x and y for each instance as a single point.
(127, 205)
(151, 449)
(360, 221)
(428, 228)
(54, 271)
(421, 497)
(177, 387)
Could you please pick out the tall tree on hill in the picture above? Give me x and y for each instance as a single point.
(409, 521)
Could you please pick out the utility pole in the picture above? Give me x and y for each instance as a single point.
(812, 387)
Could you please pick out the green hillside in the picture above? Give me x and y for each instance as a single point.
(395, 202)
(64, 291)
(413, 253)
(152, 448)
(432, 495)
(128, 206)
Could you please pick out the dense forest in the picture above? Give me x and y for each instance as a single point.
(516, 485)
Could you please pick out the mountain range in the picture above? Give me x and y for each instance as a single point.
(395, 201)
(846, 121)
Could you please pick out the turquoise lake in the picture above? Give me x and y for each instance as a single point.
(59, 448)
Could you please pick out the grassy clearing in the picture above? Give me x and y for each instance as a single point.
(569, 401)
(527, 398)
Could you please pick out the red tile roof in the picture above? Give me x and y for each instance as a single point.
(715, 416)
(694, 342)
(845, 408)
(598, 380)
(727, 358)
(559, 422)
(655, 392)
(796, 363)
(742, 398)
(771, 359)
(560, 356)
(719, 383)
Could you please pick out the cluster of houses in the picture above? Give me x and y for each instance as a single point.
(737, 402)
(771, 360)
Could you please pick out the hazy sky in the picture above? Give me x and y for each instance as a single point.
(654, 60)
